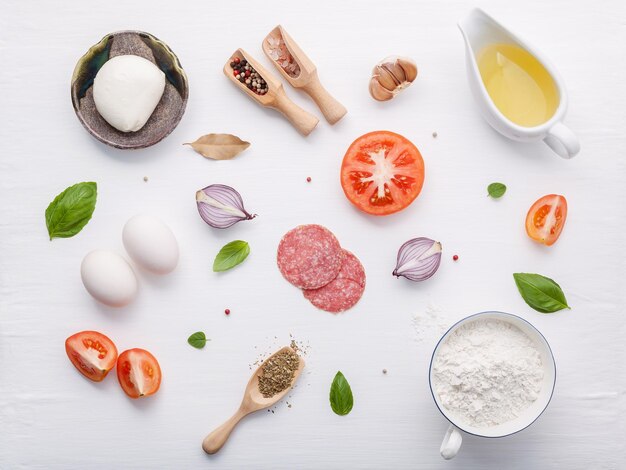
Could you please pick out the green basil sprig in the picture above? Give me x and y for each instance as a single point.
(198, 340)
(231, 255)
(540, 292)
(71, 210)
(496, 190)
(341, 399)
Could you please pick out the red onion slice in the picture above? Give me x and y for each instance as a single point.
(221, 206)
(418, 259)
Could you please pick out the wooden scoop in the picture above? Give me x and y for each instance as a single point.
(275, 97)
(253, 400)
(307, 79)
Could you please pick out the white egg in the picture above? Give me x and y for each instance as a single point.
(151, 244)
(108, 278)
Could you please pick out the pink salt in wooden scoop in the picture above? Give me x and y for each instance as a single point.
(295, 67)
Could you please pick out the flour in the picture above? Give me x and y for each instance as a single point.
(487, 372)
(429, 324)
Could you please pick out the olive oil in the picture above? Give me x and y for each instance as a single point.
(519, 86)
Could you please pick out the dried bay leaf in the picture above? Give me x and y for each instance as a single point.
(219, 146)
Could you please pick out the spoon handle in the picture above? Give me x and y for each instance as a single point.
(214, 441)
(332, 109)
(302, 120)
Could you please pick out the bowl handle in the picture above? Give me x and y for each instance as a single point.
(562, 140)
(451, 444)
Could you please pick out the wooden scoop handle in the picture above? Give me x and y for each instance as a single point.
(303, 121)
(214, 441)
(332, 109)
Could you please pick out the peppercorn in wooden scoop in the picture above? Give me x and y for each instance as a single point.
(268, 385)
(250, 76)
(300, 72)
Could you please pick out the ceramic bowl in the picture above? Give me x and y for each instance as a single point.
(168, 112)
(452, 439)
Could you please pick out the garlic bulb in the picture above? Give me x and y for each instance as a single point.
(390, 76)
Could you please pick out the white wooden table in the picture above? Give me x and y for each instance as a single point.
(52, 418)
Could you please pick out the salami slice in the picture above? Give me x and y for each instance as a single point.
(352, 269)
(344, 291)
(309, 256)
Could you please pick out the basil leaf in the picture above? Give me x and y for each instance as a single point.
(540, 292)
(341, 399)
(198, 340)
(71, 210)
(496, 190)
(231, 255)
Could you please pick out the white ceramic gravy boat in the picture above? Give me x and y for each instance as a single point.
(480, 30)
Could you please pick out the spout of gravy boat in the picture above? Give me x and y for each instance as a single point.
(480, 30)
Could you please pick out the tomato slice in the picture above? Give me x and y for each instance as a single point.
(92, 353)
(139, 373)
(546, 218)
(382, 173)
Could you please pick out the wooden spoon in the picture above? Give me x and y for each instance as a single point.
(307, 79)
(275, 97)
(253, 400)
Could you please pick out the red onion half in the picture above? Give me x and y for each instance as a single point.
(418, 259)
(221, 206)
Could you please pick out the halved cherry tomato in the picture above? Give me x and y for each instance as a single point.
(546, 218)
(382, 173)
(92, 353)
(139, 373)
